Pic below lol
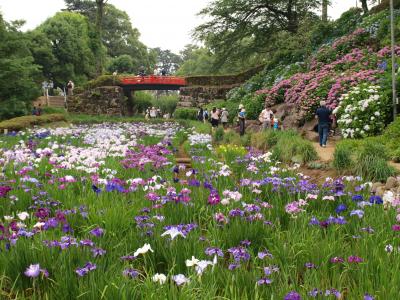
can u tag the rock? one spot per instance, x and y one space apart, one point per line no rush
375 186
297 159
398 191
391 183
380 191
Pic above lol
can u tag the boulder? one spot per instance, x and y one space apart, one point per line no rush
375 186
380 191
391 183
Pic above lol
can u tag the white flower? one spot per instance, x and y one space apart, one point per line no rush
180 279
8 218
366 127
377 113
39 225
173 233
23 216
202 265
160 278
192 262
143 250
389 248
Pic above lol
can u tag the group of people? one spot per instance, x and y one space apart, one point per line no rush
37 111
216 117
269 119
155 112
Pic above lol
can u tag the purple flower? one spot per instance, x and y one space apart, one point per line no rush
376 199
357 198
263 254
264 281
337 260
245 243
355 259
239 253
128 257
340 208
132 273
233 266
293 295
211 251
97 232
314 221
368 297
180 279
86 269
98 252
214 198
310 265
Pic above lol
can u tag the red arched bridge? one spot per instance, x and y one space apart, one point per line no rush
137 83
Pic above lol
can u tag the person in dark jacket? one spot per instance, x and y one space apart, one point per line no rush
323 114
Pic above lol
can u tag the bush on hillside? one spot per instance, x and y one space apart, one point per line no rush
29 121
186 113
103 80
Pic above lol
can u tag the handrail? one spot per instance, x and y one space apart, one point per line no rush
153 79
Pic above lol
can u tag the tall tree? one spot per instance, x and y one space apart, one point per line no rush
325 4
167 60
68 37
99 34
18 71
242 27
364 5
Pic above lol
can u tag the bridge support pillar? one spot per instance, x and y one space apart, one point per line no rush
129 94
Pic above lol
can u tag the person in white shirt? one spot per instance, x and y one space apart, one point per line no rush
224 117
265 117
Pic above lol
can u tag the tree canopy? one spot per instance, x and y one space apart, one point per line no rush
17 84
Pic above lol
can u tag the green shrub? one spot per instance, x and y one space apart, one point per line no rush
291 147
371 162
29 121
232 137
342 157
219 135
142 101
103 80
53 110
167 103
186 113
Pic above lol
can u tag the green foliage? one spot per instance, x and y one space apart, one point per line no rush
67 50
342 157
167 103
218 135
53 110
29 121
371 162
142 101
186 113
17 85
253 105
103 80
122 64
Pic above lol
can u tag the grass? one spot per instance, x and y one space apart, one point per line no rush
30 121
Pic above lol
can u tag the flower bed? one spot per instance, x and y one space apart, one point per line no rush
95 211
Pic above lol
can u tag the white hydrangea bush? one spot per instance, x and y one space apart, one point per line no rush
362 112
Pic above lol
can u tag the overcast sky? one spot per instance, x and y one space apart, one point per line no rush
162 23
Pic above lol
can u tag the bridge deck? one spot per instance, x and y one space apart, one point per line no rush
153 80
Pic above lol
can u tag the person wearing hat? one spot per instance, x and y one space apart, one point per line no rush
224 117
242 119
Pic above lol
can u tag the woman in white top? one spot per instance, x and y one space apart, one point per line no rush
265 117
224 117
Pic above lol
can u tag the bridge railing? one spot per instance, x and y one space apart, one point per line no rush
152 79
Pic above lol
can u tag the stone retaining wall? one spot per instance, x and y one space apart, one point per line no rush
105 100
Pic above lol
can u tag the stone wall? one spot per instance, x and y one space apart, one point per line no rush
195 96
104 100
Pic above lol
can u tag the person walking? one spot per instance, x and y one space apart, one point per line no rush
205 115
323 115
224 117
265 118
242 119
70 88
214 118
200 114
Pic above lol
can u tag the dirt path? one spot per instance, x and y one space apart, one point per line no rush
325 154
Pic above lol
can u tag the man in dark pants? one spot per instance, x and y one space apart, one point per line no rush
323 114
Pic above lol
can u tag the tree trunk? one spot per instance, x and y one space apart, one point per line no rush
324 16
99 33
291 14
364 5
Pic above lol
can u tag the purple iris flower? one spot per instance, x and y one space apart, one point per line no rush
293 295
97 232
376 199
357 198
98 252
368 297
211 251
86 269
264 281
340 208
132 273
96 189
